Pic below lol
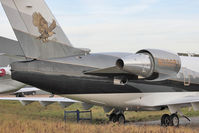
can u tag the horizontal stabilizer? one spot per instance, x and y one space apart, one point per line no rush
37 30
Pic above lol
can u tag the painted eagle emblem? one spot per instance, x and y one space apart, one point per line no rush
44 29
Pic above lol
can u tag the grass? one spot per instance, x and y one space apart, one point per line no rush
34 118
38 126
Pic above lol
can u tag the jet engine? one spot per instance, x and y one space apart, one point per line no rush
151 64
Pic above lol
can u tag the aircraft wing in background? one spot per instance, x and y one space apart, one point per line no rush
44 101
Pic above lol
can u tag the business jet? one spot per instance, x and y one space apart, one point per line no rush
10 51
150 79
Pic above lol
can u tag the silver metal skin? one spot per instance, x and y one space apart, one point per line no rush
151 63
10 47
138 64
56 66
166 64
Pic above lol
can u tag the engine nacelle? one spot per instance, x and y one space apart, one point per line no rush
151 64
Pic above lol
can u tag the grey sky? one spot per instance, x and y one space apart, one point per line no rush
125 26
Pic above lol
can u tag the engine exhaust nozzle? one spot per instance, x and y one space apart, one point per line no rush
137 64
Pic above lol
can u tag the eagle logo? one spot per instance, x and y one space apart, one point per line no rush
43 28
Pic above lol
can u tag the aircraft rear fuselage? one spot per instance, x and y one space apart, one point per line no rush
66 76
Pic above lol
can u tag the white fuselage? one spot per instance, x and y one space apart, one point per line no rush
146 101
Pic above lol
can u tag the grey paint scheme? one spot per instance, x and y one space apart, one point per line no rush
10 51
10 47
66 76
59 68
34 48
45 50
166 69
69 66
23 21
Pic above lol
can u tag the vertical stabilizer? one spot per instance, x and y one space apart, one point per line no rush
37 30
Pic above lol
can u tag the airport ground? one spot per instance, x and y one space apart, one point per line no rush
34 118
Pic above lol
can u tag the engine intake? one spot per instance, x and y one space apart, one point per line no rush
151 64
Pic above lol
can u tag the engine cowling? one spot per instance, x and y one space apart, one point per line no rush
151 64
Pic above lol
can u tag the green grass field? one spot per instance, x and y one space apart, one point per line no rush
34 118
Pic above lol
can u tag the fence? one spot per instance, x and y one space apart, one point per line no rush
78 115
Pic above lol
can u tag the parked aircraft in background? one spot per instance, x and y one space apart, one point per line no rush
149 79
10 51
30 91
44 101
6 83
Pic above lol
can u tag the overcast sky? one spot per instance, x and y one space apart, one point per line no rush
125 25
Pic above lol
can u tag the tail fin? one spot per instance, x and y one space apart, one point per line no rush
10 47
37 30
